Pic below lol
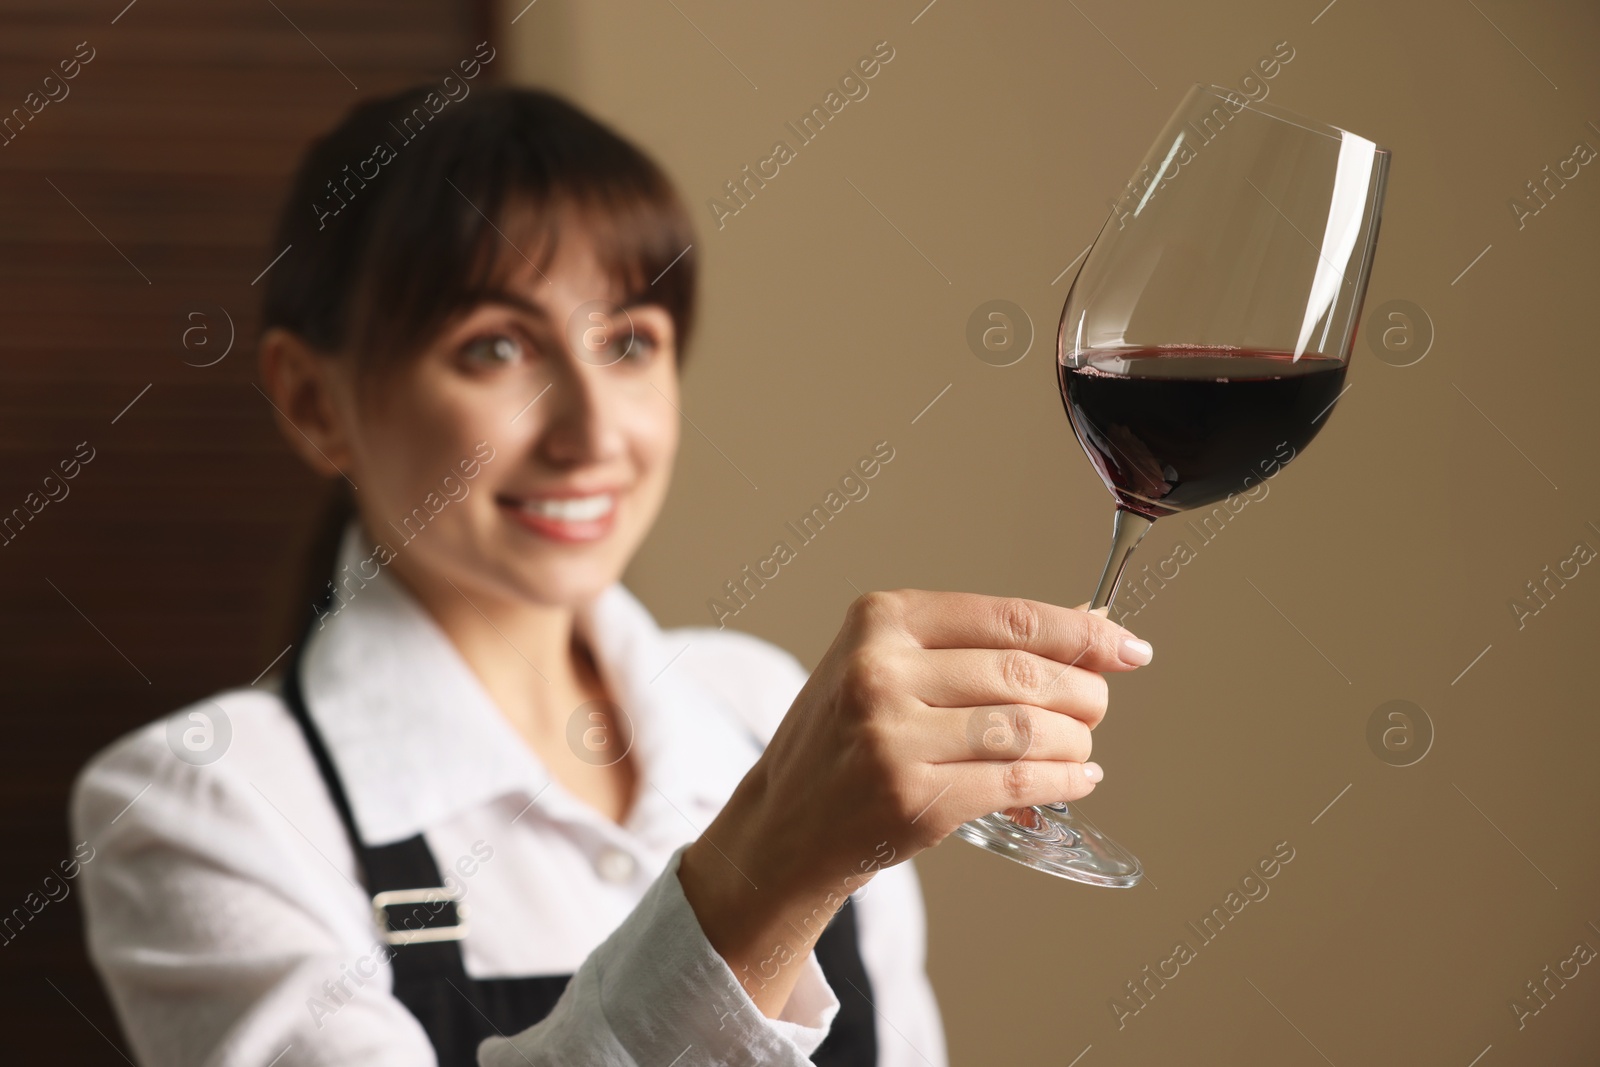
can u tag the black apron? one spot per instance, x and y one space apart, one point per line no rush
457 1011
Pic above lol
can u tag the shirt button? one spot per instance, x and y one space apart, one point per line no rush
614 865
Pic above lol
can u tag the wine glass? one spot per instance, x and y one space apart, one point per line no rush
1202 345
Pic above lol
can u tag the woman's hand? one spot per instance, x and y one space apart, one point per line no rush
929 709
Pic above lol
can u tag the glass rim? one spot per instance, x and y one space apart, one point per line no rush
1283 114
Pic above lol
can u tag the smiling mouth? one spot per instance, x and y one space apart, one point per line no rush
564 518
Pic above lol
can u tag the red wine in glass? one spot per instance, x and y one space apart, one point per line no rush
1201 346
1173 428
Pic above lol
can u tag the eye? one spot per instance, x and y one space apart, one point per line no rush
640 348
492 350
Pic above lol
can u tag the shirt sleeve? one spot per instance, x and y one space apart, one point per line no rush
225 917
656 991
759 681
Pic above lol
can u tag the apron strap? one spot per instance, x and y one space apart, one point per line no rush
419 917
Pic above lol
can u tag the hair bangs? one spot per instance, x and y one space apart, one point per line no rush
490 186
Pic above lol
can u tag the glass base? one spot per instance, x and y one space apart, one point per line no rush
1050 839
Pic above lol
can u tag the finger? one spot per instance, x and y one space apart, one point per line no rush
980 788
973 620
970 677
997 732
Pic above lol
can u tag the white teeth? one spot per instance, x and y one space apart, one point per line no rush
572 509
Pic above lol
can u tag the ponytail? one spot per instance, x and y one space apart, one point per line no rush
294 601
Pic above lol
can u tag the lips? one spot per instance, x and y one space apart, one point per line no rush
567 516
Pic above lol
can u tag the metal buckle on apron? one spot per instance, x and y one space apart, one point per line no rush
454 914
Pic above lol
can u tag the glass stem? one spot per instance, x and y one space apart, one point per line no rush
1127 530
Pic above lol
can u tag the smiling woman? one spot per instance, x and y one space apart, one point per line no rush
507 305
459 306
520 285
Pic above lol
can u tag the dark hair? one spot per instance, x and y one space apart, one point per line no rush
398 217
401 217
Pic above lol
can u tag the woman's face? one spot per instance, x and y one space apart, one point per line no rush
527 451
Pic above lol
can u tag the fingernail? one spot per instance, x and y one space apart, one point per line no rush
1104 613
1093 772
1134 652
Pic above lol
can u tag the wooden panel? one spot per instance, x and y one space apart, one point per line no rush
180 538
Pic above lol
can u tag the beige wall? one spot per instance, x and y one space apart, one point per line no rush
1419 904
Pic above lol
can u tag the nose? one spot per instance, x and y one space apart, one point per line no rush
583 422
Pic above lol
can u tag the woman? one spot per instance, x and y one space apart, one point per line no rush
486 799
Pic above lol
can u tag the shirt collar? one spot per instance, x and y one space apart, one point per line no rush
416 738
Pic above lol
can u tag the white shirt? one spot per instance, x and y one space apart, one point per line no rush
225 911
